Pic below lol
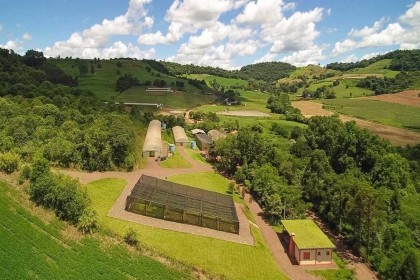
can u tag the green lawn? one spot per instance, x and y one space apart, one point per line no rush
233 261
342 272
196 155
175 161
31 248
378 68
382 112
210 181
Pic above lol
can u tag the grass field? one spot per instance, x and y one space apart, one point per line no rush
196 155
103 83
31 248
175 161
210 181
382 112
378 68
224 82
231 260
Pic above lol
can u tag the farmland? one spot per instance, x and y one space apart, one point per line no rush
382 112
234 261
43 247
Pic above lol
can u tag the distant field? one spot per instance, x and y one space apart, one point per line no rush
251 100
232 260
408 97
103 81
346 89
31 248
174 100
383 112
378 68
225 82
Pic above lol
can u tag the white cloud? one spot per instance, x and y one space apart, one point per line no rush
412 16
267 57
350 58
26 36
295 33
92 42
261 11
342 47
369 55
405 33
188 16
304 57
15 45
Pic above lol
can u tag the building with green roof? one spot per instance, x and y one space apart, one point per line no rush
307 243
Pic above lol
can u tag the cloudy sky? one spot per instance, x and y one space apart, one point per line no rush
223 33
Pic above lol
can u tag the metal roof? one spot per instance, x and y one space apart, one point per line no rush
179 134
153 141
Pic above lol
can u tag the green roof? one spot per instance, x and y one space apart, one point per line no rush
307 234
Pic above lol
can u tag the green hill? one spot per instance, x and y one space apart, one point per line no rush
106 72
38 246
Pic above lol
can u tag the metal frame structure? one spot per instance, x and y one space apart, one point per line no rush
183 204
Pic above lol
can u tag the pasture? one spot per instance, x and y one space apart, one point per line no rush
382 112
379 68
227 259
39 246
224 82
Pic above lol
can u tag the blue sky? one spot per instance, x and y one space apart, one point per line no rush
223 33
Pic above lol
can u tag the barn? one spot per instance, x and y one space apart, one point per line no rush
153 142
203 141
307 243
180 137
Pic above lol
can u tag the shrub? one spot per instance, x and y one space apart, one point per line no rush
9 162
131 237
88 221
231 187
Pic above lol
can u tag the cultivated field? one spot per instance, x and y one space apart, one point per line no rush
36 245
408 97
396 136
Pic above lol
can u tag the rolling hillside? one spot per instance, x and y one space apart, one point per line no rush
34 247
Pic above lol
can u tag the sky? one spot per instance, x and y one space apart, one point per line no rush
221 33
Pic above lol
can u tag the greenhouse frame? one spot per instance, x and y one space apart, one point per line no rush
183 204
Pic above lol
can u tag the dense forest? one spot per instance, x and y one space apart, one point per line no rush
265 71
365 188
67 126
401 60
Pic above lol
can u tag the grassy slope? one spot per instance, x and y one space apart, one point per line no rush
31 248
175 161
383 112
379 68
103 82
234 261
225 82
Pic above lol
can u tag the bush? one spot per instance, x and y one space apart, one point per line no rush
24 174
88 221
9 162
231 187
131 237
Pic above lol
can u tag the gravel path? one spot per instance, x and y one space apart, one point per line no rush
153 169
288 267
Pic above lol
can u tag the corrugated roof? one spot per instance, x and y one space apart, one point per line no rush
179 134
197 130
203 138
153 141
215 135
307 234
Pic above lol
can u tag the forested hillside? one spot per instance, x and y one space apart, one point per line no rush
362 186
68 126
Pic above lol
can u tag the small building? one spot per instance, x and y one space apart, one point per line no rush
203 141
307 243
159 89
153 142
215 135
197 130
180 137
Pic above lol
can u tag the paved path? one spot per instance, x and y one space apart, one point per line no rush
292 270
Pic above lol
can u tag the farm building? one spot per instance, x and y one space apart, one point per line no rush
307 243
159 90
179 135
215 135
183 204
197 130
153 143
203 141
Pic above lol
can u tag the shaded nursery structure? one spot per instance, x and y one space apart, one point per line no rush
183 204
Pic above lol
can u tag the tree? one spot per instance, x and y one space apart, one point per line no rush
34 59
131 237
83 67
